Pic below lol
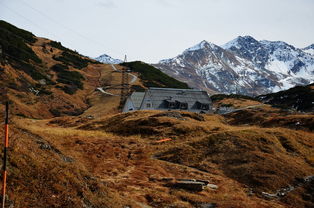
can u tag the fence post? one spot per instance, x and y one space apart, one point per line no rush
6 145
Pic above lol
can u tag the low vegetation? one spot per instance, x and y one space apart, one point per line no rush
15 49
71 59
152 77
218 97
79 151
71 79
261 158
300 98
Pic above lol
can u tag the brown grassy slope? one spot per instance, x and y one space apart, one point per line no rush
40 175
126 164
51 100
236 102
271 117
264 159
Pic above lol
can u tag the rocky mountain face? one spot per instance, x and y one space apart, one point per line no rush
108 59
243 65
309 49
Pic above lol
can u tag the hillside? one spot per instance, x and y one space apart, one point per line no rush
240 156
152 77
300 98
45 79
40 76
71 147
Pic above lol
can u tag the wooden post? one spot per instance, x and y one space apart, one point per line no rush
6 145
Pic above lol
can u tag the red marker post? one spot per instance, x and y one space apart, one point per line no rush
6 145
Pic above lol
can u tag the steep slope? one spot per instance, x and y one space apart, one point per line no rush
106 59
309 49
42 174
291 65
41 76
243 65
103 158
300 98
152 77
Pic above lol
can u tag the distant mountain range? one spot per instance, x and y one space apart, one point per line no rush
243 65
108 59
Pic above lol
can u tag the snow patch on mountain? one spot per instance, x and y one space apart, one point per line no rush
243 65
309 49
197 47
108 59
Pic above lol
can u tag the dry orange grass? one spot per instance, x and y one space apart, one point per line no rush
250 155
126 163
40 174
236 103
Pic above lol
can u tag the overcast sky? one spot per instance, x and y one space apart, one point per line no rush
151 30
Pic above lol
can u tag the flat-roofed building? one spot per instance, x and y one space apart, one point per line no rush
169 99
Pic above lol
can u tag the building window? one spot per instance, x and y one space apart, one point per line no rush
204 106
172 105
183 106
148 105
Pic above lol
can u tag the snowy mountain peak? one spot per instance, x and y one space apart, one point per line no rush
243 65
199 46
239 42
309 49
108 59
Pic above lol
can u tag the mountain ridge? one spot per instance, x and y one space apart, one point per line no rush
243 65
106 59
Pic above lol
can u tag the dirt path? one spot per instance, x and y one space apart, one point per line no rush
102 89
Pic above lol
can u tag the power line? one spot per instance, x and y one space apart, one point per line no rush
96 43
25 18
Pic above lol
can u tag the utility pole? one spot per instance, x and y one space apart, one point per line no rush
124 85
1 53
6 145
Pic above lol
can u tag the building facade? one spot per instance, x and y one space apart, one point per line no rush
169 99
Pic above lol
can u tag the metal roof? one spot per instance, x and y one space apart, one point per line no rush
159 97
137 98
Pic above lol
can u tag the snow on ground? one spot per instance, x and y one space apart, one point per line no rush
310 51
108 59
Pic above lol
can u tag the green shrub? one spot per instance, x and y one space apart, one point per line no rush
226 105
55 112
30 70
61 47
13 42
28 36
153 77
219 97
72 59
71 78
59 67
300 98
137 88
15 49
69 89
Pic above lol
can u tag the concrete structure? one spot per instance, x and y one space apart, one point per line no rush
169 99
134 101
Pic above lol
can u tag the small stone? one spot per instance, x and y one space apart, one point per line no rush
212 186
